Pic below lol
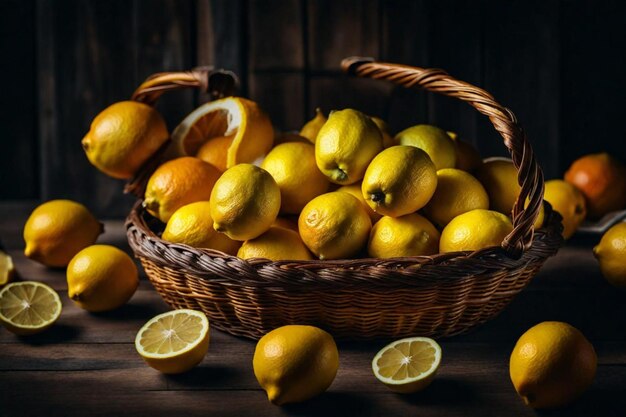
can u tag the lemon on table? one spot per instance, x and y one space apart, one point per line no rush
236 117
355 190
611 254
277 244
294 363
467 157
552 364
432 140
174 342
457 192
346 144
567 200
215 152
499 177
409 235
407 365
400 180
245 202
334 225
193 225
101 278
123 137
28 307
313 126
388 139
7 270
293 167
57 230
475 230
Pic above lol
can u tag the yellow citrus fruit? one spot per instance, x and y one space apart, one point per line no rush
467 157
499 177
400 180
215 151
407 365
277 244
101 278
7 270
174 342
474 230
245 202
552 364
457 192
334 225
409 235
432 140
193 225
28 307
355 190
294 363
57 230
611 254
313 126
388 140
567 200
236 117
286 223
346 144
287 137
123 137
292 165
177 183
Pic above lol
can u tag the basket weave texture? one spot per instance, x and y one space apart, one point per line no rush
439 295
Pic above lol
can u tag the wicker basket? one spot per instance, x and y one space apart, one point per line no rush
438 295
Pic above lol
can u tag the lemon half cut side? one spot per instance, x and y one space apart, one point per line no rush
28 307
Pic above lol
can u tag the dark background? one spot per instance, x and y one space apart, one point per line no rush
559 65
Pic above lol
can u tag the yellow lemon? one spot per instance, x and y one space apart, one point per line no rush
174 342
177 183
292 165
388 140
567 200
611 254
192 225
294 363
410 235
499 177
313 126
7 270
552 364
245 202
28 307
334 225
399 181
474 230
467 157
286 137
287 223
432 140
101 278
346 144
407 365
277 244
457 192
355 190
123 137
57 230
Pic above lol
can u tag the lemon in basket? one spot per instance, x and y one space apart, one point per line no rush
7 270
245 202
277 244
410 235
294 363
174 342
475 230
432 140
388 140
346 144
123 137
313 126
400 180
499 177
611 254
407 365
28 307
355 190
467 157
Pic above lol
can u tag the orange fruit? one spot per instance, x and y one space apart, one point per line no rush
215 151
250 128
177 183
602 180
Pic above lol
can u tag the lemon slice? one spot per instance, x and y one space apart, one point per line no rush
28 307
7 270
243 120
175 341
407 365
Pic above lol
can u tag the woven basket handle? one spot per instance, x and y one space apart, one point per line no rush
530 176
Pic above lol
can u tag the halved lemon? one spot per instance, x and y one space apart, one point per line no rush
174 342
28 307
7 270
236 117
407 365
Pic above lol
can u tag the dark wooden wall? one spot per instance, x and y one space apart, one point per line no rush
559 65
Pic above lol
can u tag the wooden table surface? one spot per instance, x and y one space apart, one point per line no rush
86 365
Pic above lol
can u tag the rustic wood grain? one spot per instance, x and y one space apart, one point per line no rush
280 96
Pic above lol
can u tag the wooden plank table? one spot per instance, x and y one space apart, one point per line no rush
86 365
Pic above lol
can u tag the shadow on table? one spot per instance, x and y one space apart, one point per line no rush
332 403
131 311
58 333
204 377
442 391
605 403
